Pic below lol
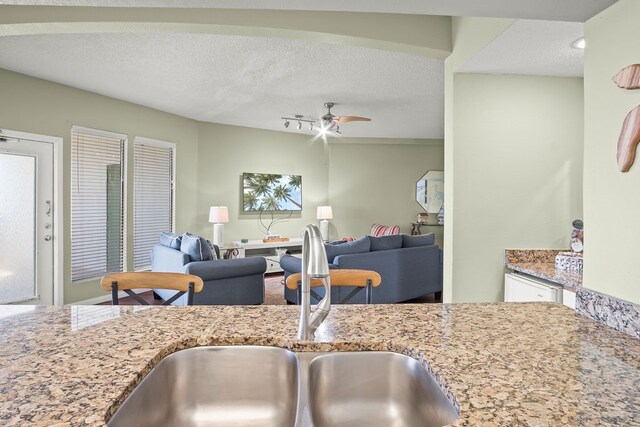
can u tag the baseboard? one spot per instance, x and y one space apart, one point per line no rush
104 298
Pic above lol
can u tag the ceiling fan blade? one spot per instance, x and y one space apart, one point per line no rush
345 119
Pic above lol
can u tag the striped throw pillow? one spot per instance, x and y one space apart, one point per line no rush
378 230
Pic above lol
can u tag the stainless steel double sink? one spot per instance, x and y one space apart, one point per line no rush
267 386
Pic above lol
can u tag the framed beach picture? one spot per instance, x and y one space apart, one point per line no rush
271 192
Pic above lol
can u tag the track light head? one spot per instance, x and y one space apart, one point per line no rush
286 124
299 125
310 125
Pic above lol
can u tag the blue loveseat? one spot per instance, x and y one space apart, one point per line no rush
226 281
410 267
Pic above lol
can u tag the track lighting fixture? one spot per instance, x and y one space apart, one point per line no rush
300 119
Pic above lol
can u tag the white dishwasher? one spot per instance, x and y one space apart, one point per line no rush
519 288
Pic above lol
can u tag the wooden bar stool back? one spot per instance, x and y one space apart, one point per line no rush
182 283
360 279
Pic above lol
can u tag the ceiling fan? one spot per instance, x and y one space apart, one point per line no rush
330 121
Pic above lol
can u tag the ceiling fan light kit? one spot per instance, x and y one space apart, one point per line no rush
328 122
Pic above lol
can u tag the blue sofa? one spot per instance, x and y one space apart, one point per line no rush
410 267
226 281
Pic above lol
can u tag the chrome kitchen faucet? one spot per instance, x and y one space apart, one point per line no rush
314 266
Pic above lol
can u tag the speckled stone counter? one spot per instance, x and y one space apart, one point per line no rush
541 263
529 364
621 315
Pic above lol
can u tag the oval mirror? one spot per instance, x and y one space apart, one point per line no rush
430 191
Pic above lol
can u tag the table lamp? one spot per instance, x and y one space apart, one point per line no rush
324 213
218 215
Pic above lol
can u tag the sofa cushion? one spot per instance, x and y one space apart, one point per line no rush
171 240
196 247
215 250
385 243
357 246
378 230
414 241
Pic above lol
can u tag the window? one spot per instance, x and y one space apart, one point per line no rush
97 203
153 196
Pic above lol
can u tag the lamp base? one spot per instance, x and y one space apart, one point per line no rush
324 229
218 235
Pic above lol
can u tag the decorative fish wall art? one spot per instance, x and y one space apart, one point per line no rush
628 78
628 140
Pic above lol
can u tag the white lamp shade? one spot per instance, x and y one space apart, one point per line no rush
324 212
218 214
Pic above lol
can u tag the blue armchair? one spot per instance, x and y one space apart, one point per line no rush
237 281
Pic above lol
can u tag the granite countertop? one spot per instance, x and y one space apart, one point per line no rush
528 364
541 263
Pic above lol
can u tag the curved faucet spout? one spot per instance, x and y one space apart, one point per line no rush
314 266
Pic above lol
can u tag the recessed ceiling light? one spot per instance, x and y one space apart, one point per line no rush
579 44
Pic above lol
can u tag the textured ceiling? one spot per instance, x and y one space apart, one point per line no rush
251 81
246 81
540 48
558 10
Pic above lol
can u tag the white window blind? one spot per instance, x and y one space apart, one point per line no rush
153 196
97 203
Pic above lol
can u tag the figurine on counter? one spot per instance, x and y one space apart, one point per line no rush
441 215
577 236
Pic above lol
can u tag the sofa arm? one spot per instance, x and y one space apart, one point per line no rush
226 268
165 259
291 264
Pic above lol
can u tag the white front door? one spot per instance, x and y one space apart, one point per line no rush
26 221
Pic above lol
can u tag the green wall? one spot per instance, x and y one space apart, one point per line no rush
365 180
468 35
517 171
374 181
225 152
38 106
611 198
212 157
